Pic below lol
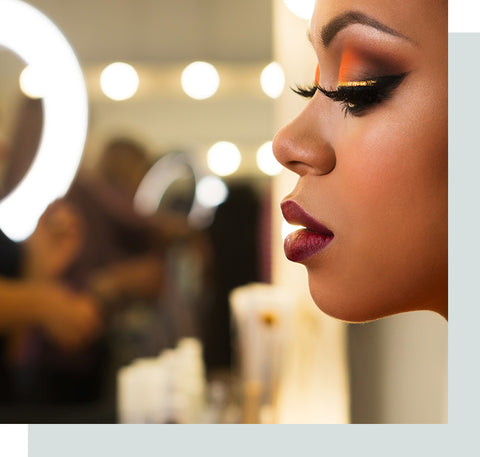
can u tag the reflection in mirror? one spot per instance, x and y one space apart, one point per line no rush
124 286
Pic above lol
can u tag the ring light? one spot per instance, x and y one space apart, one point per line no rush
38 42
163 174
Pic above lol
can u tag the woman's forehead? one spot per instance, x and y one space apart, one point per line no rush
405 18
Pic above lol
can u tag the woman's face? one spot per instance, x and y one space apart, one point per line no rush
370 149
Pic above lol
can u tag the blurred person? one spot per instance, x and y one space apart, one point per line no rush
120 262
121 257
111 230
124 252
122 165
142 269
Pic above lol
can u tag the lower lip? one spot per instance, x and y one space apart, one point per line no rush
303 243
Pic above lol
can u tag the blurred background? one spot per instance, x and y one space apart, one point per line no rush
156 290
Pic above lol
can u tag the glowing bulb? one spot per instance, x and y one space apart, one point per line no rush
272 80
288 228
200 80
211 191
266 160
301 8
119 81
32 82
224 158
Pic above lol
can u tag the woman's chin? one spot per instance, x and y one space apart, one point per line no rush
349 307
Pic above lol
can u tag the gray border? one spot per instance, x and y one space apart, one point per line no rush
240 440
382 440
464 239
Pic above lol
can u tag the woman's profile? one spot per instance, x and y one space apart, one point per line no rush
370 151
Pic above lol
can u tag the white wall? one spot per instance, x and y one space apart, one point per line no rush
399 369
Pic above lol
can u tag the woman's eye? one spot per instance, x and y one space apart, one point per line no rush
356 97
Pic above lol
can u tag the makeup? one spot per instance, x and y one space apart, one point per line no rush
307 241
351 62
357 96
363 81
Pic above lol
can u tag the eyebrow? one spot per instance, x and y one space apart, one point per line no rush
330 30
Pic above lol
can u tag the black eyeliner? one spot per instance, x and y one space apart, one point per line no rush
357 96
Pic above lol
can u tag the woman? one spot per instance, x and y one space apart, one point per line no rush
370 149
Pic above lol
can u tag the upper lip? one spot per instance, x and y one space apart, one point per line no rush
294 214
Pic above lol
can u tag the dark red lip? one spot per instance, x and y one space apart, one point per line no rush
294 214
305 242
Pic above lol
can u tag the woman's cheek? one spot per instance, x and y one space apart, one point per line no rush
370 165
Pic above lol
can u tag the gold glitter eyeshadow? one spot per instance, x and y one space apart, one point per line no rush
368 82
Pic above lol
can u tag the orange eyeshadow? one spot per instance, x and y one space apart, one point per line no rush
350 61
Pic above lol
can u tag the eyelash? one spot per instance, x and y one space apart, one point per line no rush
357 99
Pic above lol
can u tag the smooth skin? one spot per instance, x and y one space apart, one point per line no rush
378 181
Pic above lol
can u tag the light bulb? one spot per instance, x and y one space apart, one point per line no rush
119 81
272 80
32 82
224 158
200 80
301 8
266 160
211 191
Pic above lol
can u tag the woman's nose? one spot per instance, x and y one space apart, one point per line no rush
301 146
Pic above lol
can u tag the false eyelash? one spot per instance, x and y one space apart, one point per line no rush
307 92
356 100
